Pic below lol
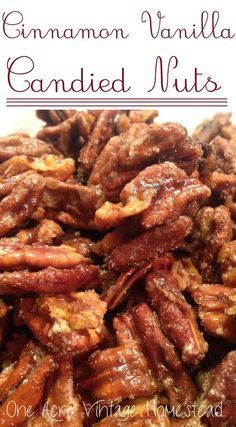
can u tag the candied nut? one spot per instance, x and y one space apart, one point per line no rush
54 117
125 155
72 203
22 144
62 405
177 317
24 198
150 244
15 255
49 280
119 373
116 292
102 131
69 135
212 228
142 325
45 233
186 274
221 390
215 303
159 193
23 385
47 165
71 324
139 412
208 129
227 260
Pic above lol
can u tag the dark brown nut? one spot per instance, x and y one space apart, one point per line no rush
208 129
186 275
142 325
215 305
49 280
69 135
70 324
4 321
225 187
72 204
150 244
157 194
119 373
47 165
22 201
45 233
220 392
54 117
115 293
22 144
227 260
102 131
22 385
124 156
62 406
137 413
177 318
212 228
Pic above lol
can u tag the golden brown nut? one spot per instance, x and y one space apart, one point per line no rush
69 324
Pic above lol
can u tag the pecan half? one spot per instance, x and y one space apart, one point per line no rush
212 228
215 305
21 144
22 385
143 325
220 392
70 324
208 129
47 165
124 156
150 244
22 201
119 373
102 131
177 317
159 193
49 280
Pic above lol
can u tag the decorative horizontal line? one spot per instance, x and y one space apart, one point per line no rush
115 105
117 99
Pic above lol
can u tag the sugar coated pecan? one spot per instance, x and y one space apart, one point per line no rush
23 199
215 305
150 244
69 324
22 385
142 325
119 373
49 280
177 317
124 156
227 260
158 194
22 144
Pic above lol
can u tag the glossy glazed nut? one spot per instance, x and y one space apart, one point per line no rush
178 320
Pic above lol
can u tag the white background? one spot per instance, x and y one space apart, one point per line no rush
63 58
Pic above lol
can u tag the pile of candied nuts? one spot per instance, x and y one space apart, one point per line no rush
118 272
